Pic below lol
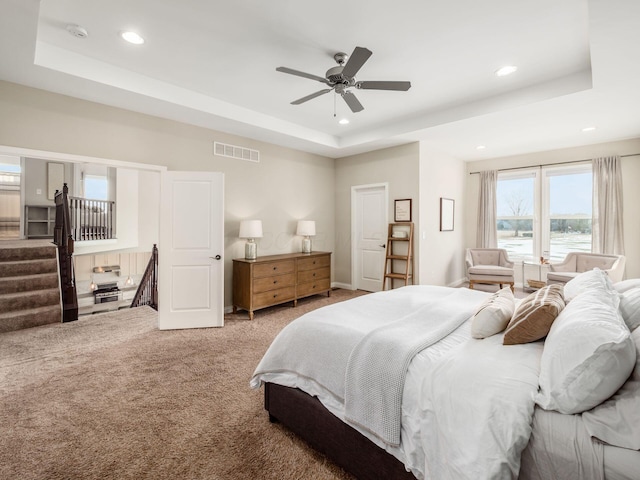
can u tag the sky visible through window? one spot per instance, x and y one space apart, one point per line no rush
95 187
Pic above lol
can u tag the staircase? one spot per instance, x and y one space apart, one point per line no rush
29 286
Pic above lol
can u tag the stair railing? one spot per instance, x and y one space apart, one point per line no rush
63 239
91 219
147 293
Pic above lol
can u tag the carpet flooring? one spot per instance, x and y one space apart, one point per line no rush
112 397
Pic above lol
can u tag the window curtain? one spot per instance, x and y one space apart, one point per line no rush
487 235
607 224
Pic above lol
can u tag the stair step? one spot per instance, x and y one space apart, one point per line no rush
25 283
32 317
11 302
27 251
28 267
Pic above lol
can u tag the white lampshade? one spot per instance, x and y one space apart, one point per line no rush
306 228
251 229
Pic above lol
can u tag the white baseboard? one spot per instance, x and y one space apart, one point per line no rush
346 286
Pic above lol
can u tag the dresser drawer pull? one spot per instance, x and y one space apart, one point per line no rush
275 281
314 274
275 295
275 268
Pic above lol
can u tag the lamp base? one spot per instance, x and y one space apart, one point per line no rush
250 250
306 245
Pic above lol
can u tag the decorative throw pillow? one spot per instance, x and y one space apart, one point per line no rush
535 315
587 357
616 421
594 283
630 308
494 314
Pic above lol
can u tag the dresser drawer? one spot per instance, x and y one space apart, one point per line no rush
311 288
271 283
273 297
314 262
273 268
311 275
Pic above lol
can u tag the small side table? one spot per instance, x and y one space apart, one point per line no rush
539 276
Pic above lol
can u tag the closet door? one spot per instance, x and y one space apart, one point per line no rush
190 266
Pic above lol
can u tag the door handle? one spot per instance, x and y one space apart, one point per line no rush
383 246
217 257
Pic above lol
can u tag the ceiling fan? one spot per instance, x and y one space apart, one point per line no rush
343 77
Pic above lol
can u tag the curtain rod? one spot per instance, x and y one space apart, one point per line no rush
551 164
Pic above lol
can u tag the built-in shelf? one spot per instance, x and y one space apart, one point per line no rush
40 221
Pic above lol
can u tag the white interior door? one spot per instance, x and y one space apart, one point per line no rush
369 233
190 264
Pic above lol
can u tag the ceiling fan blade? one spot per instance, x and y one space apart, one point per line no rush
353 102
359 56
309 97
298 73
401 86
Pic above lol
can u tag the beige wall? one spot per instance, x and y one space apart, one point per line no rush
631 191
442 253
397 166
285 186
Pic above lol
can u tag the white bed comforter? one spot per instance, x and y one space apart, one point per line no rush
466 404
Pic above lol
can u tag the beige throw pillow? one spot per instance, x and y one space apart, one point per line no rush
535 315
493 314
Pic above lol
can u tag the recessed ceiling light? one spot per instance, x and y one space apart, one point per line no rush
343 121
132 37
506 70
480 147
588 129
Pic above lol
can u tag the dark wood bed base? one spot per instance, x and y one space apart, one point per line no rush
309 419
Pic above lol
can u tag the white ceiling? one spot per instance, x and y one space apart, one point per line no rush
212 63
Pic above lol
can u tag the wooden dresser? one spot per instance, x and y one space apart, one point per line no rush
276 279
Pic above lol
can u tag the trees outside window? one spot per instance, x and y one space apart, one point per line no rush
545 211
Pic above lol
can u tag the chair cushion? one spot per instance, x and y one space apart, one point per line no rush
586 262
491 270
561 276
485 257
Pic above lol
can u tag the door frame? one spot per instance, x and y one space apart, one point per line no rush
355 215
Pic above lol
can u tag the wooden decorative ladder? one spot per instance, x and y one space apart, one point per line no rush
399 253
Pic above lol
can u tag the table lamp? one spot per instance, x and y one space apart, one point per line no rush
251 229
306 228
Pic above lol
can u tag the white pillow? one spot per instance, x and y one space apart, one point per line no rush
493 314
625 285
630 308
595 283
616 421
587 357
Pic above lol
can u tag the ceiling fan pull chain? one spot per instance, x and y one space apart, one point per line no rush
334 104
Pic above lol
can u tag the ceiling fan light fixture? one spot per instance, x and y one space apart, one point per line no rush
343 121
588 129
480 147
506 70
132 37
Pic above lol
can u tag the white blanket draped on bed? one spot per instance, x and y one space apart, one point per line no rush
360 350
378 364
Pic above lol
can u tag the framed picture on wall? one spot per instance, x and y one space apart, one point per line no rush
446 214
402 210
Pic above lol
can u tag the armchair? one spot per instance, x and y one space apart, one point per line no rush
489 266
579 262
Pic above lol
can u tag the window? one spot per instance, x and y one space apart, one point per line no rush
545 211
96 187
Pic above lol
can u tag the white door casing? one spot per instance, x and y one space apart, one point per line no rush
369 226
190 264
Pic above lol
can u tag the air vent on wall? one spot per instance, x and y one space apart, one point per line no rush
233 151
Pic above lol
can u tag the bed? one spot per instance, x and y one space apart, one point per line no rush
417 382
